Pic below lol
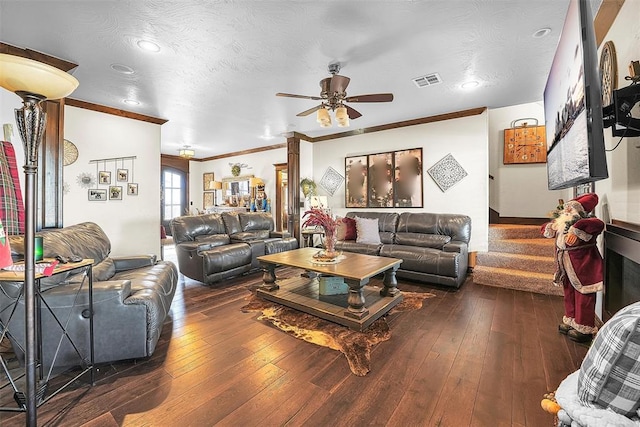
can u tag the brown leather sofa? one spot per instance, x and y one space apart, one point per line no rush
131 299
433 247
213 247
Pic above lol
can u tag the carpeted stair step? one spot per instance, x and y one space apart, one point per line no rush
515 279
537 247
507 231
533 263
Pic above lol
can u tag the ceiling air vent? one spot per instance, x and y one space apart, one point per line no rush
427 80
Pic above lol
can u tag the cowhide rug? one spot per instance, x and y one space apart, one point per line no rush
356 346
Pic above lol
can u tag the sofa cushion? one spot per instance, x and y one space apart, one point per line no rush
610 373
436 241
226 257
212 240
424 260
231 222
277 245
104 270
250 235
187 228
256 221
458 227
367 231
361 248
346 229
387 223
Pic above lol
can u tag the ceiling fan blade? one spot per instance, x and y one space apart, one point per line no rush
290 95
353 114
338 84
375 97
309 111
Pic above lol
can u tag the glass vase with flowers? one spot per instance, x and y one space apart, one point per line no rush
318 217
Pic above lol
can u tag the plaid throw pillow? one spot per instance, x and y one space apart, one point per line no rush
610 373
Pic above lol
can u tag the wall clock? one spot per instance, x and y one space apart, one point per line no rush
525 144
70 152
608 72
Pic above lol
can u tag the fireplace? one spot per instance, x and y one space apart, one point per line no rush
622 266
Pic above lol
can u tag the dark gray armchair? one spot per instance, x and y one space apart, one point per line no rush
131 299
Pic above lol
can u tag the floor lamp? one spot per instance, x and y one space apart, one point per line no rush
34 82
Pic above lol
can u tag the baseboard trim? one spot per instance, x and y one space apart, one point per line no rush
495 218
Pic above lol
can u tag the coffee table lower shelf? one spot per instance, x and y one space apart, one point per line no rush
301 293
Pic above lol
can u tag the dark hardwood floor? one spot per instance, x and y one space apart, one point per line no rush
480 356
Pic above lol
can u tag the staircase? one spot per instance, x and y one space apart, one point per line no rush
518 258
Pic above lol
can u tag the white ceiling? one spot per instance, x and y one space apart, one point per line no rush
221 62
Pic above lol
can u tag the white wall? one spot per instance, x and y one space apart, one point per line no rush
133 223
465 138
518 190
622 189
261 164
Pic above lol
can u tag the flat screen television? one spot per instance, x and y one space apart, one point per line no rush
573 105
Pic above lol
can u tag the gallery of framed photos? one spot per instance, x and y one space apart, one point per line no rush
123 177
384 180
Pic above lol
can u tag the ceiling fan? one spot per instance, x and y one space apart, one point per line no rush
334 96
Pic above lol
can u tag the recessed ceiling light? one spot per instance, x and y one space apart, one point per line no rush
470 84
131 102
542 32
121 68
149 46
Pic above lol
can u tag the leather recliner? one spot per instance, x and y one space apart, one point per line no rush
131 299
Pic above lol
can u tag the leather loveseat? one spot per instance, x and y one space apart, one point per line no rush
213 247
131 299
433 247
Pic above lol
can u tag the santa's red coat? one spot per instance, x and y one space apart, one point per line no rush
581 263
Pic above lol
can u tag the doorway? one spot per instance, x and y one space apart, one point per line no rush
173 198
281 197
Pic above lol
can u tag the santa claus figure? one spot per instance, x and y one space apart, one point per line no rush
579 264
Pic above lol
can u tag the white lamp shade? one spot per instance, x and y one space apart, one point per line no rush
22 74
216 185
341 113
322 117
254 182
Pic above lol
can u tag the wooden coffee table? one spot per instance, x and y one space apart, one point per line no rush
357 309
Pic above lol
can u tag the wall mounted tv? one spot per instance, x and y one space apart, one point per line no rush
573 105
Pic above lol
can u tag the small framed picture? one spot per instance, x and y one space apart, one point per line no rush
115 192
97 194
207 181
207 200
132 189
104 177
122 175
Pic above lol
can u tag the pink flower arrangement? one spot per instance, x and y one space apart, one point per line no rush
319 217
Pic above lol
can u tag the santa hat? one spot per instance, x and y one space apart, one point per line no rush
587 201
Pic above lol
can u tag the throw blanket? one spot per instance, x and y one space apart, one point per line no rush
574 413
11 205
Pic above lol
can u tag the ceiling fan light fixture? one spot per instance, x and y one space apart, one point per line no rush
342 117
323 117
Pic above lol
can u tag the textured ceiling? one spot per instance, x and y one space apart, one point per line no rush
221 62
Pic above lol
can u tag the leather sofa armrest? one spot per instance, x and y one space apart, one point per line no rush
133 262
455 246
64 295
280 234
